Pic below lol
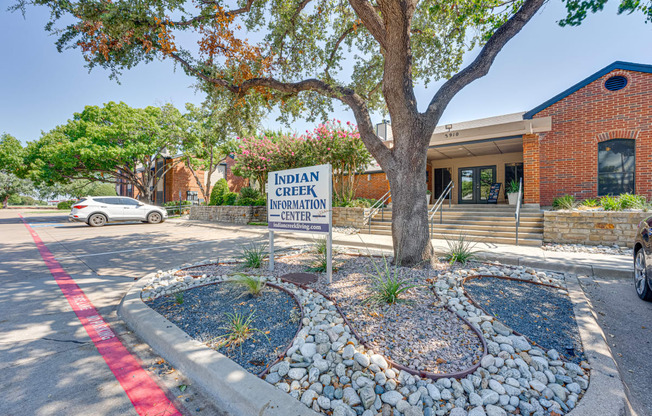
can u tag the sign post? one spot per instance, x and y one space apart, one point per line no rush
301 200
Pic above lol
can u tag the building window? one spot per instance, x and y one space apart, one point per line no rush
616 165
192 196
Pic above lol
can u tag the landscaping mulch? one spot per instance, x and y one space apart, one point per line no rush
418 332
543 314
202 316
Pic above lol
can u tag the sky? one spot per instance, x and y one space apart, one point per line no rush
42 88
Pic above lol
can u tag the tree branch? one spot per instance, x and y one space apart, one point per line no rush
482 63
371 19
330 60
242 10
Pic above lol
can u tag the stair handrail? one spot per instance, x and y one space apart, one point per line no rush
439 204
517 214
380 204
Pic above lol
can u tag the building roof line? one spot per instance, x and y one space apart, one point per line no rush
626 66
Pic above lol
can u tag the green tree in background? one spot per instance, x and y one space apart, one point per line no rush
11 166
104 144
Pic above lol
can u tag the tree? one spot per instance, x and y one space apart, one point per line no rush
300 63
211 129
11 152
104 144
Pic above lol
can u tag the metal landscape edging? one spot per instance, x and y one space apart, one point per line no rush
420 373
235 390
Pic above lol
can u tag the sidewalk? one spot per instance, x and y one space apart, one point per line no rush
598 265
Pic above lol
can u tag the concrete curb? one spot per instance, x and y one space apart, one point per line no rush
236 391
606 392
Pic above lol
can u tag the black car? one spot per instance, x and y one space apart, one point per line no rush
643 260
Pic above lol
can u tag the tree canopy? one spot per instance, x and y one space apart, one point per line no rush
106 144
11 162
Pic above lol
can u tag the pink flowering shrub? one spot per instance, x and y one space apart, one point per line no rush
332 143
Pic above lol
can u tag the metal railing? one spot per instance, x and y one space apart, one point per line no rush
177 208
517 214
378 205
439 205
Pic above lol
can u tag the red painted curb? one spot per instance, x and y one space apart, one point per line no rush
143 392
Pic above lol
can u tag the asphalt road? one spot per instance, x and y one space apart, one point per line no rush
627 323
48 363
49 366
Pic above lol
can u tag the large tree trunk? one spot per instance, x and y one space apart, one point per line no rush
407 181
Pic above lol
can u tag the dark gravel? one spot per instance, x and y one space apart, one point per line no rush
202 316
543 314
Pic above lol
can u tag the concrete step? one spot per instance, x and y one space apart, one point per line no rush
523 228
523 239
471 217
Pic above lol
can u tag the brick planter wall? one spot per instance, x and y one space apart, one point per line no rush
591 227
232 214
342 217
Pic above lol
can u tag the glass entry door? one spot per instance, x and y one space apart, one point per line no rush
475 184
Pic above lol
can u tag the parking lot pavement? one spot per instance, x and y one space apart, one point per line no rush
627 322
48 362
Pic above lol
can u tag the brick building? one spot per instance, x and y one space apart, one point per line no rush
179 184
591 140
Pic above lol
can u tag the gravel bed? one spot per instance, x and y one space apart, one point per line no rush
202 316
543 313
328 370
581 248
418 332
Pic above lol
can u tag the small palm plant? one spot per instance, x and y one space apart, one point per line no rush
320 245
239 329
254 285
460 250
388 285
254 254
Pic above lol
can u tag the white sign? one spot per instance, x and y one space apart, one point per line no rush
300 200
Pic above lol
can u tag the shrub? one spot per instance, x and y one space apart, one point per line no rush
254 285
512 187
631 201
176 203
178 297
65 205
358 202
388 284
591 202
248 192
239 328
564 202
254 254
320 245
460 250
217 194
15 199
609 203
229 198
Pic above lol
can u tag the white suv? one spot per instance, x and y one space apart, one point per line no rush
97 211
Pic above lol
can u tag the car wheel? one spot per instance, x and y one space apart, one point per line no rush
97 220
154 218
640 276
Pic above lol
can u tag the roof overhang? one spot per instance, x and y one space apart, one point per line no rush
494 131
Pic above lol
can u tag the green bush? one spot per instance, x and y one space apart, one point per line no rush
15 199
176 203
248 192
564 202
388 284
460 250
219 190
355 203
254 254
229 198
512 187
591 202
631 201
65 205
609 203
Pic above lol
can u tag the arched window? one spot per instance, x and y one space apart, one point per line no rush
616 164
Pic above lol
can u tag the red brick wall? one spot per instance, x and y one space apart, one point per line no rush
569 152
373 186
179 178
531 173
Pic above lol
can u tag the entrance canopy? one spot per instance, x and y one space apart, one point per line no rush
488 136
